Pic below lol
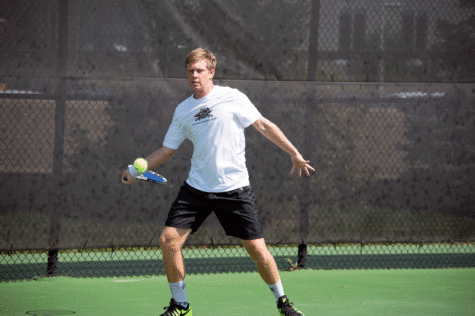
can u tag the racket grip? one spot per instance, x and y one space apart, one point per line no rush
133 172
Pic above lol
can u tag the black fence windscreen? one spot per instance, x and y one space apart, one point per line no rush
379 96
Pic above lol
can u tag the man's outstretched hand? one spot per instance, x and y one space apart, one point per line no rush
299 163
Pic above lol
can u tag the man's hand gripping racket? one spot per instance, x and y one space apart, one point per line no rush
139 170
149 176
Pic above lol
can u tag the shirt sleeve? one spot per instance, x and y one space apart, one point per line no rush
175 135
247 112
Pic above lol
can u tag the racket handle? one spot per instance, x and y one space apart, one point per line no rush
133 172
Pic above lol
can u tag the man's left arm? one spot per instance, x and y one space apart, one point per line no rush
273 133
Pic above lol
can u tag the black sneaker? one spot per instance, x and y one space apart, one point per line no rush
286 308
177 310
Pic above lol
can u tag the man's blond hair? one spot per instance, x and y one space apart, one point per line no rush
200 54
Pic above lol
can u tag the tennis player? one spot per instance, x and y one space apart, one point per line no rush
214 119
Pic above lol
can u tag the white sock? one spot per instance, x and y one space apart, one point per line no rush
277 289
178 290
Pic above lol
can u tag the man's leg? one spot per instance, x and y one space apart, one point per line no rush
269 272
171 243
265 262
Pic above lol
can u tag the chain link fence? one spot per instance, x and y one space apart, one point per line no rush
379 96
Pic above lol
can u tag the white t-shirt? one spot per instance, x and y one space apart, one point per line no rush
215 125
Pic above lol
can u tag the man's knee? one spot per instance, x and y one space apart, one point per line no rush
257 249
165 240
173 237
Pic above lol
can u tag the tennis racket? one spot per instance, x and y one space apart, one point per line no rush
151 176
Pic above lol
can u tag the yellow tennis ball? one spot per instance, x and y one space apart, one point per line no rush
140 165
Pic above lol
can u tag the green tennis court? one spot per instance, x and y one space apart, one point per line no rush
315 292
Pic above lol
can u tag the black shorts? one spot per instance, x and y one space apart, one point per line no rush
236 211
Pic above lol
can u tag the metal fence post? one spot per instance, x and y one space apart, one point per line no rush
59 121
313 40
52 263
307 150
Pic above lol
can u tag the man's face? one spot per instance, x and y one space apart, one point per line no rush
199 77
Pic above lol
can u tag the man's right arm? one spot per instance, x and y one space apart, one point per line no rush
158 157
154 160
